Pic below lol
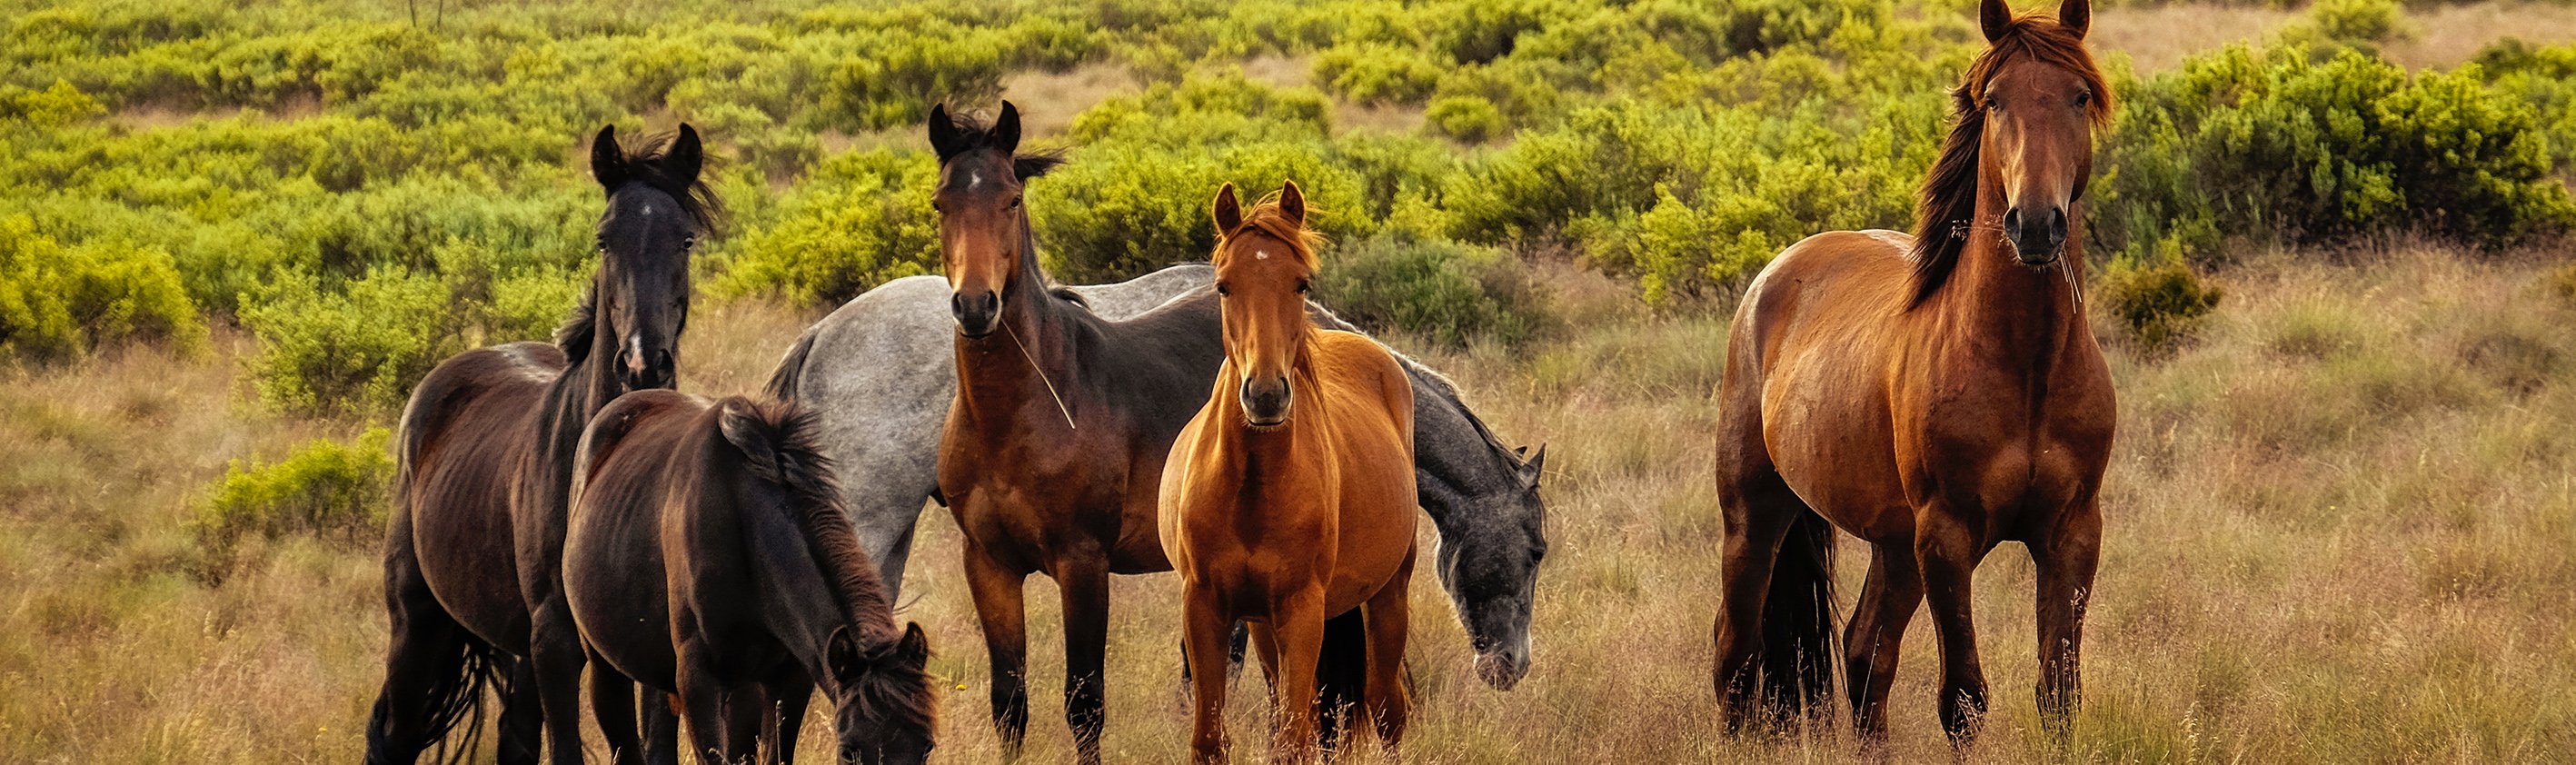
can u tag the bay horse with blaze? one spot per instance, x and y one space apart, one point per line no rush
1934 395
1290 497
484 465
710 560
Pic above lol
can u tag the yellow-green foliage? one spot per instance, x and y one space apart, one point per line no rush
58 302
1441 291
856 221
330 488
2159 304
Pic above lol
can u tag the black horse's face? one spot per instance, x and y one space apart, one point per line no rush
884 704
645 240
1494 591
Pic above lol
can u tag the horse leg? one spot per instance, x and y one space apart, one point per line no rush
556 655
1758 513
429 667
1297 624
998 605
2065 557
1389 616
1948 551
612 705
523 715
702 700
1203 647
1085 586
746 706
787 700
1887 602
660 713
1341 676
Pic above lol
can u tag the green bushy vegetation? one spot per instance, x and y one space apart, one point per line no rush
332 180
2160 304
1442 291
330 488
56 302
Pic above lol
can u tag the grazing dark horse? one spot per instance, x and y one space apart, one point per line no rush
1055 442
709 557
485 462
1289 498
1933 395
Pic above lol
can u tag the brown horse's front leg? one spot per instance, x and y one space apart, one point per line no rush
1297 621
1205 630
702 701
1888 600
612 704
1948 552
1388 615
1085 586
2065 559
1004 616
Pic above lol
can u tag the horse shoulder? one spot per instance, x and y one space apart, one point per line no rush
1356 363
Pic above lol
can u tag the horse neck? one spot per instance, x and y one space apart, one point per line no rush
2011 312
584 387
1463 477
854 600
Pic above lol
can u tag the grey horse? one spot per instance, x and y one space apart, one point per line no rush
879 373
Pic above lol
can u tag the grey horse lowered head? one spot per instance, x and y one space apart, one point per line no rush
879 373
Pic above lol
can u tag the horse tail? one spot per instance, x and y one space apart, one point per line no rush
462 667
782 383
1798 620
1341 673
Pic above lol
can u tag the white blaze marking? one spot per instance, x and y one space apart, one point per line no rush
974 179
648 211
1260 254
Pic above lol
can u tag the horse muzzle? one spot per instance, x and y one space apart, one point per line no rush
1504 667
2038 238
978 314
1265 403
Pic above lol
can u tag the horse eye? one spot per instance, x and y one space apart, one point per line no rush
1221 291
934 207
1015 202
1302 286
2083 99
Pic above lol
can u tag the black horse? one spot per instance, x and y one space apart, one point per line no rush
472 578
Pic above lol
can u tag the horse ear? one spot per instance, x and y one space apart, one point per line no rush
1006 129
915 646
607 161
1229 211
685 157
944 139
841 653
1292 203
1537 465
1995 17
2076 16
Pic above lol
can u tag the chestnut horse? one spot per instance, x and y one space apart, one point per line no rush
485 461
1289 498
708 557
1933 395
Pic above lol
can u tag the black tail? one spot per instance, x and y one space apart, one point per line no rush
782 383
1798 621
455 698
1341 673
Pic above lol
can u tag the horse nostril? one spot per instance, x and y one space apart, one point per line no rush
2012 225
2057 227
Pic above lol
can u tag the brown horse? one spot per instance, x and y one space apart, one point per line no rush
485 461
1933 395
1055 441
708 557
1283 521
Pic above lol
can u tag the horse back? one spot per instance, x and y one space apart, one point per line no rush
1369 413
615 572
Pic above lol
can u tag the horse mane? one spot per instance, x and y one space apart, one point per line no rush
580 327
797 465
1266 217
1947 205
696 197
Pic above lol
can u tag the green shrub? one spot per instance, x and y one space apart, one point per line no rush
861 219
1378 73
1467 118
1445 292
57 303
336 490
2160 304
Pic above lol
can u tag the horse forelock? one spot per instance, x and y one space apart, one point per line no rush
695 196
1947 203
1266 217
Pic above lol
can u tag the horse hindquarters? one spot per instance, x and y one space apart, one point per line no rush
435 670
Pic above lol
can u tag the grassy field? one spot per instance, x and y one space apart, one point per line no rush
2338 531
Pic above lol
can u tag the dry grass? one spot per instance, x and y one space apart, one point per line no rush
2158 37
2339 525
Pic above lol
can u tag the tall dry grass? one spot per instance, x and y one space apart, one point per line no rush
2339 529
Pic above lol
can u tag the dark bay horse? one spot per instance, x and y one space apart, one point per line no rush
1055 442
1289 497
708 557
485 462
1934 395
879 374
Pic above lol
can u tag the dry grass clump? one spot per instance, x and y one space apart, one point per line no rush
2338 529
